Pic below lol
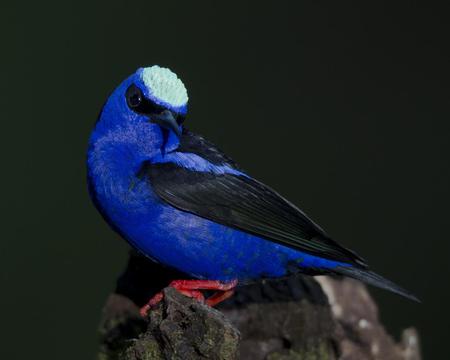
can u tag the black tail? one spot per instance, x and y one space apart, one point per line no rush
369 277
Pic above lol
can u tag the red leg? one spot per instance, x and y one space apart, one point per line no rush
190 288
197 295
218 297
203 284
151 303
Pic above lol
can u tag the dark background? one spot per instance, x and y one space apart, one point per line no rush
340 106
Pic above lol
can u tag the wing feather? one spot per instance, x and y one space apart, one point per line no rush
241 202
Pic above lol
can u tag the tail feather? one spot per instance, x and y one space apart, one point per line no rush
371 278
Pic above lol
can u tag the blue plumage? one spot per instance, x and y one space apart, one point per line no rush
180 201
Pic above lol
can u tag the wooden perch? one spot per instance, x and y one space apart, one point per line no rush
296 318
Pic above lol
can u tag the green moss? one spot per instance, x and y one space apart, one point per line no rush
320 351
147 349
102 356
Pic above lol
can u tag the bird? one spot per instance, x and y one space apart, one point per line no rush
180 201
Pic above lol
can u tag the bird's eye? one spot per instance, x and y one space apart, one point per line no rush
139 103
134 96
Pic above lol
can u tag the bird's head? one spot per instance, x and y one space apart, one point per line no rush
153 101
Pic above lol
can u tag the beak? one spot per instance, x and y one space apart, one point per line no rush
167 120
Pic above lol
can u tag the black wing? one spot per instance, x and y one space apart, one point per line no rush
196 144
240 202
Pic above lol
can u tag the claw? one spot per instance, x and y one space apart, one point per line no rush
218 297
191 289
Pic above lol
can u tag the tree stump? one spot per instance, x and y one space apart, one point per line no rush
295 318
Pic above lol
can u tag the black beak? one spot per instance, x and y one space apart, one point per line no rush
167 120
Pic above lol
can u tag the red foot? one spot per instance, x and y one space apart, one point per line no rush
218 297
190 288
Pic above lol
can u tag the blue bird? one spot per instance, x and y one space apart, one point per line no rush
180 201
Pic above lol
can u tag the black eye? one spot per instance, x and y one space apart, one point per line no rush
134 96
139 103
